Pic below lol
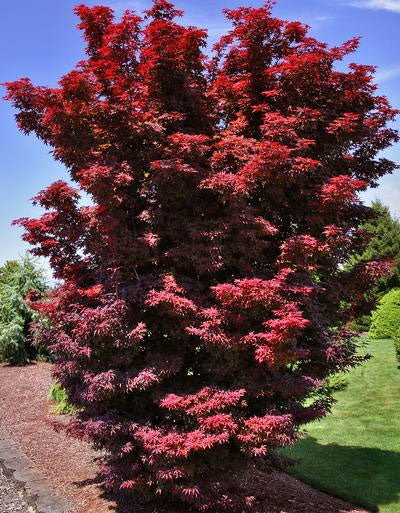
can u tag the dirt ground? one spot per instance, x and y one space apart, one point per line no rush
71 469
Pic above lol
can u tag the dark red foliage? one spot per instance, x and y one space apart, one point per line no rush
204 298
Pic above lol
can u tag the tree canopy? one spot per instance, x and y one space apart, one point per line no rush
204 294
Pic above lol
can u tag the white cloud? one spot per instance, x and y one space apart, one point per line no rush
385 74
322 18
386 5
314 21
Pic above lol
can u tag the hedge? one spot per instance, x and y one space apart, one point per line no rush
386 318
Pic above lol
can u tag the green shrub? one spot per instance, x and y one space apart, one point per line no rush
396 341
386 318
59 396
361 325
336 382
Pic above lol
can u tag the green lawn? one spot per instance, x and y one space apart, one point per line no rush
355 452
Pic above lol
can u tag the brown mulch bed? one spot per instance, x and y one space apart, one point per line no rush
70 467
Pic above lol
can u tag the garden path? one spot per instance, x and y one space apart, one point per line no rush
11 498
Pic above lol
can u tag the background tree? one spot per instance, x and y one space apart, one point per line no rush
17 279
383 234
204 294
383 231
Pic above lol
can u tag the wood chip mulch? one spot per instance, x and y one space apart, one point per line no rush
70 467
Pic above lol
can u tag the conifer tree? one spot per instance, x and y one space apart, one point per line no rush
204 296
17 280
383 234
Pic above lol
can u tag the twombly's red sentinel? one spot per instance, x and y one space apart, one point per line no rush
203 298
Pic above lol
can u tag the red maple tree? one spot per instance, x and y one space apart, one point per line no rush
203 298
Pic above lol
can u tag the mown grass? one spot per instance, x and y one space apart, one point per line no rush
355 452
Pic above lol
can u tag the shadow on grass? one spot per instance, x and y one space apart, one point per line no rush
366 476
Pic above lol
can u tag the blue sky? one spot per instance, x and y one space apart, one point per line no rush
38 39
